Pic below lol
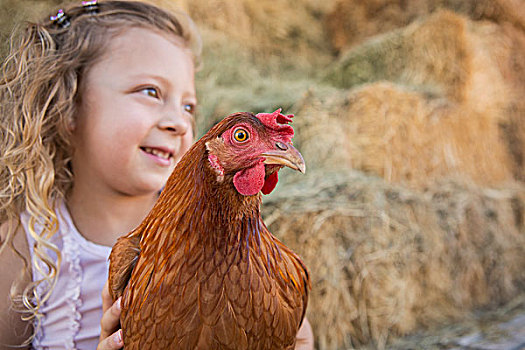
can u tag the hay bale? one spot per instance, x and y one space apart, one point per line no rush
319 132
402 136
350 22
267 26
511 60
488 88
498 11
431 54
460 111
447 55
386 261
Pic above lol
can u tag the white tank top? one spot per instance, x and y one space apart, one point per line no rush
72 314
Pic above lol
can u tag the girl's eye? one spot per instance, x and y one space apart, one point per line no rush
241 135
190 108
151 92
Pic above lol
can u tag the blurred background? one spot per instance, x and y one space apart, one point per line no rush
411 117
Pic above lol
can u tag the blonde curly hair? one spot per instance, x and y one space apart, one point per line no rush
39 91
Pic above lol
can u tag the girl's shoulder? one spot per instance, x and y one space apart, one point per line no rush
18 243
13 330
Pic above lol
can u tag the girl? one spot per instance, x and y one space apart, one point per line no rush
97 108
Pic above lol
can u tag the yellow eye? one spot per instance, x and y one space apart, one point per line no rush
241 135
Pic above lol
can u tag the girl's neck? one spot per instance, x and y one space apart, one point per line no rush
104 218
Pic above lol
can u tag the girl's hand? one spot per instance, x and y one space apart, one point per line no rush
305 337
110 335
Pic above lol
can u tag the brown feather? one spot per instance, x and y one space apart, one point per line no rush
124 257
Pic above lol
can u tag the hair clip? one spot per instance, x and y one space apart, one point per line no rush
61 19
90 6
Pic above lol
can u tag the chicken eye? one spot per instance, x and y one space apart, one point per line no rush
241 135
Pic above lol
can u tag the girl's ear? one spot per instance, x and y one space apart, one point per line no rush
72 125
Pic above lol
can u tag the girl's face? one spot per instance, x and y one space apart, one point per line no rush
135 114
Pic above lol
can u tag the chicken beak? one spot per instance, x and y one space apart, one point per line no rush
286 155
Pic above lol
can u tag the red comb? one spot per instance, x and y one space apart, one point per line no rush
278 122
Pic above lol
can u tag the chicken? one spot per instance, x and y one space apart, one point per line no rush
202 271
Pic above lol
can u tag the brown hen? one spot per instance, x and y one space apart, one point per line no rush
202 271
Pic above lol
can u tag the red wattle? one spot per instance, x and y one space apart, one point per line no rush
250 181
270 183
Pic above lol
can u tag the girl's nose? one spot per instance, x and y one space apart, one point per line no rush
175 122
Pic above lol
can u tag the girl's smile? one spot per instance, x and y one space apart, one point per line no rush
160 155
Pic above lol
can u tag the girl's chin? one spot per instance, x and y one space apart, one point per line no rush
153 187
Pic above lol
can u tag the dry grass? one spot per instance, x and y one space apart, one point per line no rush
511 62
351 22
386 261
320 133
457 107
402 136
266 26
431 54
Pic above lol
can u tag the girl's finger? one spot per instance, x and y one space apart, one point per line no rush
106 298
112 342
305 337
110 320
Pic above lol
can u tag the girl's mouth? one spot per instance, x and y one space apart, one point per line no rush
157 153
